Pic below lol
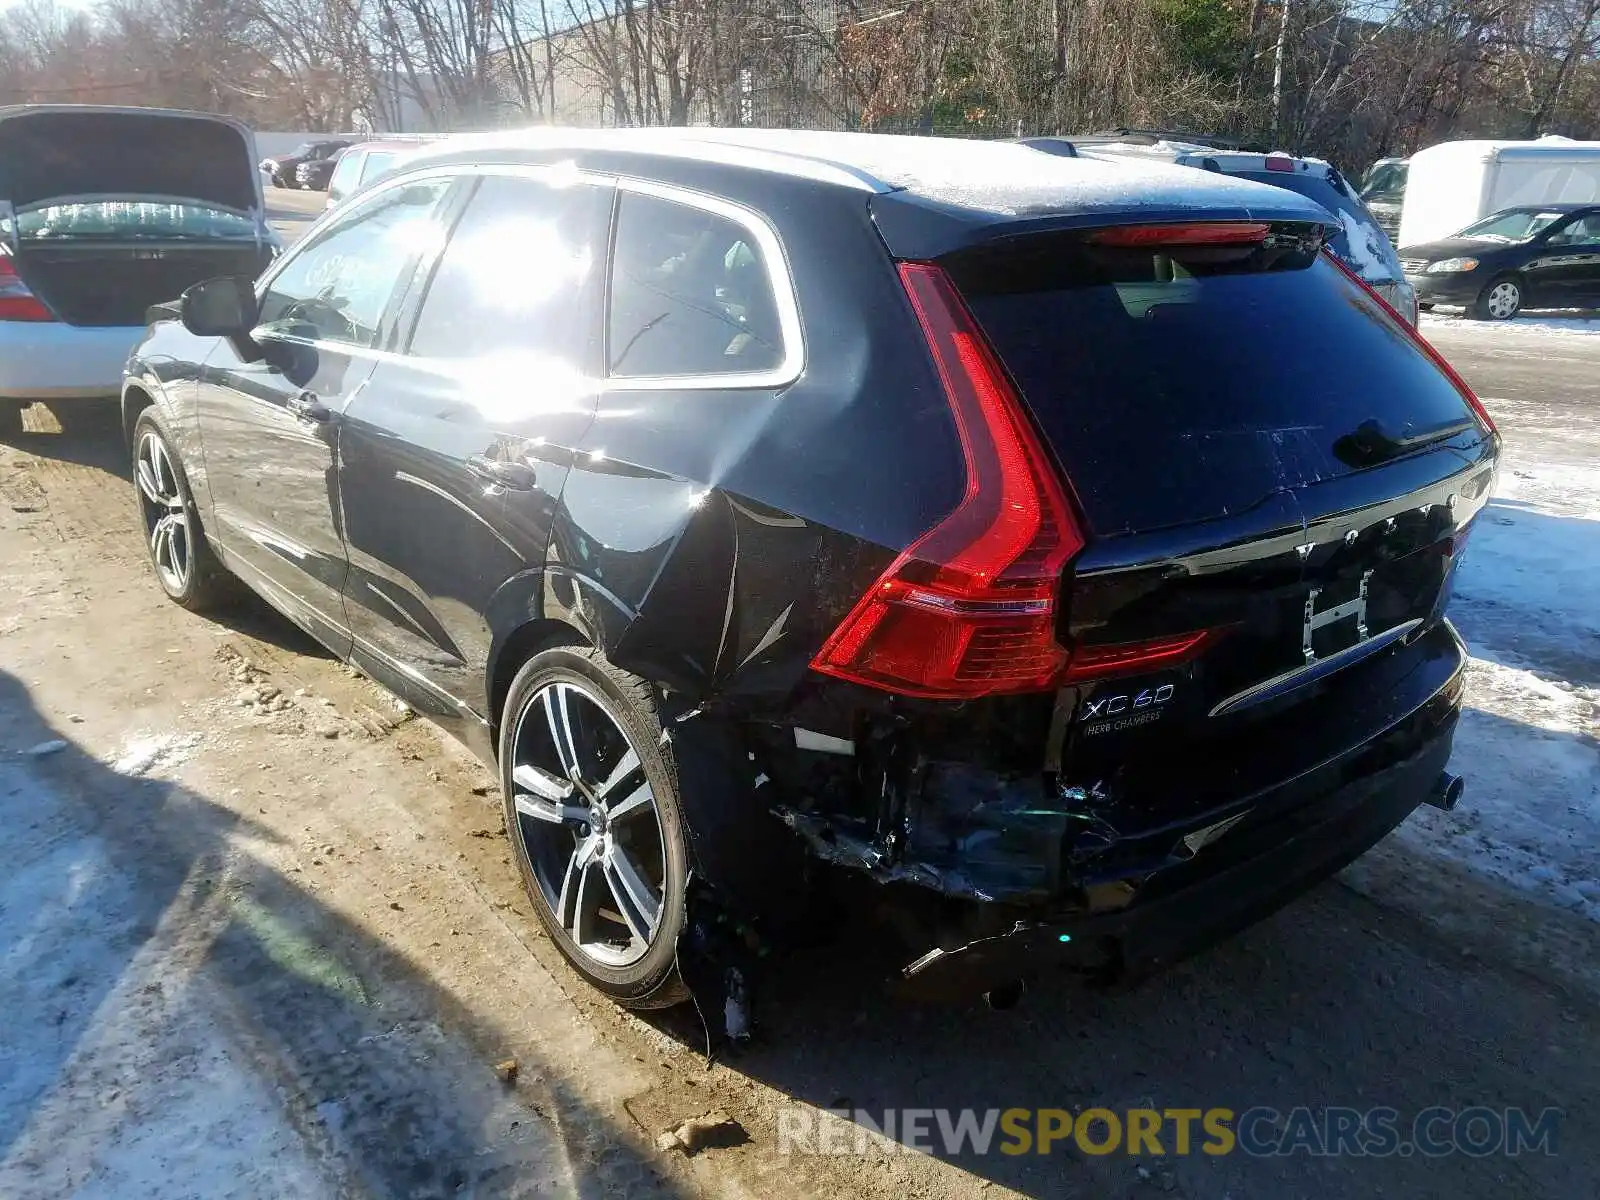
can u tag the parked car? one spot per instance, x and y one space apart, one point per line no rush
313 174
1383 191
1456 184
1062 544
281 169
1541 256
104 212
365 162
1359 240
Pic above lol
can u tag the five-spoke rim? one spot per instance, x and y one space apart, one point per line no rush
166 517
1504 299
589 823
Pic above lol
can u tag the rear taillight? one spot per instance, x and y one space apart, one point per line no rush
970 608
1198 233
1421 343
1279 161
17 301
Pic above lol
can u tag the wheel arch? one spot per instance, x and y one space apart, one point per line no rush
136 397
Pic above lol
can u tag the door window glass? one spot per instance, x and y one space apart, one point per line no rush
336 288
347 173
1585 231
513 277
690 294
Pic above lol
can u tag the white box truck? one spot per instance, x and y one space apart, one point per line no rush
1453 184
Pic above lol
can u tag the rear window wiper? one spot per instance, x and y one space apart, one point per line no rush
1370 443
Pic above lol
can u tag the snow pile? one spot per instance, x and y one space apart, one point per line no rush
145 752
1527 745
1531 814
1565 323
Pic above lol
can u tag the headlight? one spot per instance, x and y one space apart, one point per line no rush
1446 265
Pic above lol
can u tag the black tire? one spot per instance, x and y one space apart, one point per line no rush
1500 301
161 492
569 687
1421 307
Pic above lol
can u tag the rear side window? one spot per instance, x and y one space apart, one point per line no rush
515 274
346 175
1186 385
691 294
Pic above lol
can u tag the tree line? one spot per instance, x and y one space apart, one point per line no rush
1352 80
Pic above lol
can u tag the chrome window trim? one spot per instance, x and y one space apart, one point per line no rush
791 364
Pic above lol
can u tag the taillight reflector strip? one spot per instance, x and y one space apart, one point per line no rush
1422 343
1122 658
1206 233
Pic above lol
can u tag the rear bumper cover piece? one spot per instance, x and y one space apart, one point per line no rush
1216 894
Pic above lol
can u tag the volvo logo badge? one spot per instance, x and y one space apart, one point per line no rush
1315 619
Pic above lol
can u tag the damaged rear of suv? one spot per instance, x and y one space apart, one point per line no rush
1056 549
1180 651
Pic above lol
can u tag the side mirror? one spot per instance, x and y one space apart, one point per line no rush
221 307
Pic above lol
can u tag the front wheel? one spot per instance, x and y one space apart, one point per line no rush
1500 301
592 811
185 565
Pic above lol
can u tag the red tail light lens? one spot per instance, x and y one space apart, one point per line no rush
1207 233
1279 162
17 301
970 609
1421 343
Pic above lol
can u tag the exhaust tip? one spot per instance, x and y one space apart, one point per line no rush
1006 996
1446 791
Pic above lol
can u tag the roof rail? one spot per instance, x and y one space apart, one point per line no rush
1149 137
794 152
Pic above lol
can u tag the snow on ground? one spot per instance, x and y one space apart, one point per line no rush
1525 602
115 1042
1557 323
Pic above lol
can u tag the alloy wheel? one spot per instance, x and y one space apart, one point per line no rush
166 515
1504 300
590 825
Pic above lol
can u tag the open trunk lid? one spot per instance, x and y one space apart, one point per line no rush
51 152
107 211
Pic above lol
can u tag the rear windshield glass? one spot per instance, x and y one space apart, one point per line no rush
120 220
1183 386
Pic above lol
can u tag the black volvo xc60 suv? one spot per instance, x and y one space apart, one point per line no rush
1063 545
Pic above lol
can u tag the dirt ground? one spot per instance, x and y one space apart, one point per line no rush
278 947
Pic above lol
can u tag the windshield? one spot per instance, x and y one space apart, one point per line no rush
1513 225
122 220
1385 179
378 162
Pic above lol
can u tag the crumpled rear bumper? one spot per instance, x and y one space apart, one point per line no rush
1248 872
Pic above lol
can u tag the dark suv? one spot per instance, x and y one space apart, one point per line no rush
1062 544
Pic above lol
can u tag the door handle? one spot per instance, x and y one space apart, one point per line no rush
307 407
517 476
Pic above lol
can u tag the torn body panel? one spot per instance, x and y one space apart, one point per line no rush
1103 861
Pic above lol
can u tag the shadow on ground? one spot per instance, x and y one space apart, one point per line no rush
383 1076
86 432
